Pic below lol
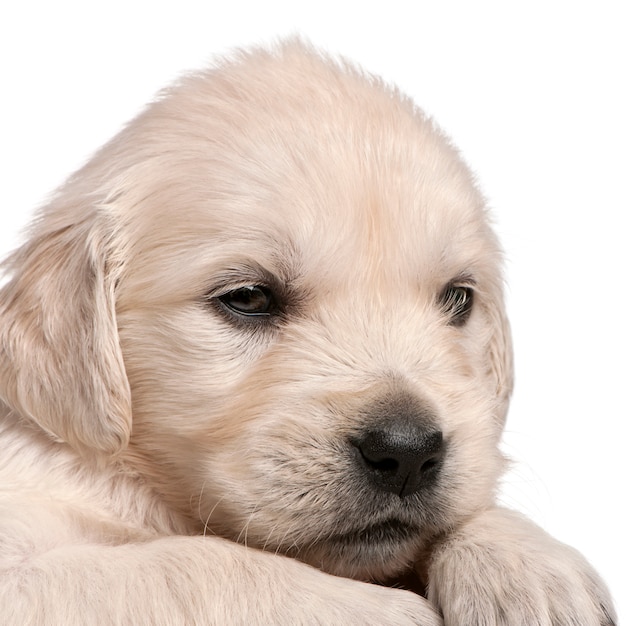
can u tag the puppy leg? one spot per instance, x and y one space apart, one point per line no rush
500 569
193 580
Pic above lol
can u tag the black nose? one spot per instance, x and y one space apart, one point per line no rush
400 457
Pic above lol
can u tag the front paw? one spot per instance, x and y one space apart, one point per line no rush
501 570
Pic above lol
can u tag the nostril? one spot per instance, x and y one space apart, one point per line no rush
383 465
429 464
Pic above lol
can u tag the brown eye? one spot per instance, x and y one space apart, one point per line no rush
457 301
249 301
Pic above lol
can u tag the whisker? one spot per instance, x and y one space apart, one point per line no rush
206 522
246 526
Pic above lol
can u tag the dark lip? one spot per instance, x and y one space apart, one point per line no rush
388 531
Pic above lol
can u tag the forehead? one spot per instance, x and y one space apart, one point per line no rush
306 167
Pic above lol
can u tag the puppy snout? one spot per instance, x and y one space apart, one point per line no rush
400 457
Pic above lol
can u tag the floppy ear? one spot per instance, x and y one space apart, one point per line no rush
60 360
500 355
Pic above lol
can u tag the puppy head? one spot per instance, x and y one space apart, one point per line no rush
291 270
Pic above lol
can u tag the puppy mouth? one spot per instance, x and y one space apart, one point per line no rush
389 532
376 551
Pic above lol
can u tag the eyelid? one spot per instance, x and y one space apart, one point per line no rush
462 280
222 290
251 275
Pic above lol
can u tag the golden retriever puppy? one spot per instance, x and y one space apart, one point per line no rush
254 359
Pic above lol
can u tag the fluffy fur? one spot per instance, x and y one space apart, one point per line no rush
169 460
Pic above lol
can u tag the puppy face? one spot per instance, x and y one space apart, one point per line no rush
308 309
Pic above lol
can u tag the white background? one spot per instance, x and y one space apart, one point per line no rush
534 95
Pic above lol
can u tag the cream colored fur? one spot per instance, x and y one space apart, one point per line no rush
164 462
